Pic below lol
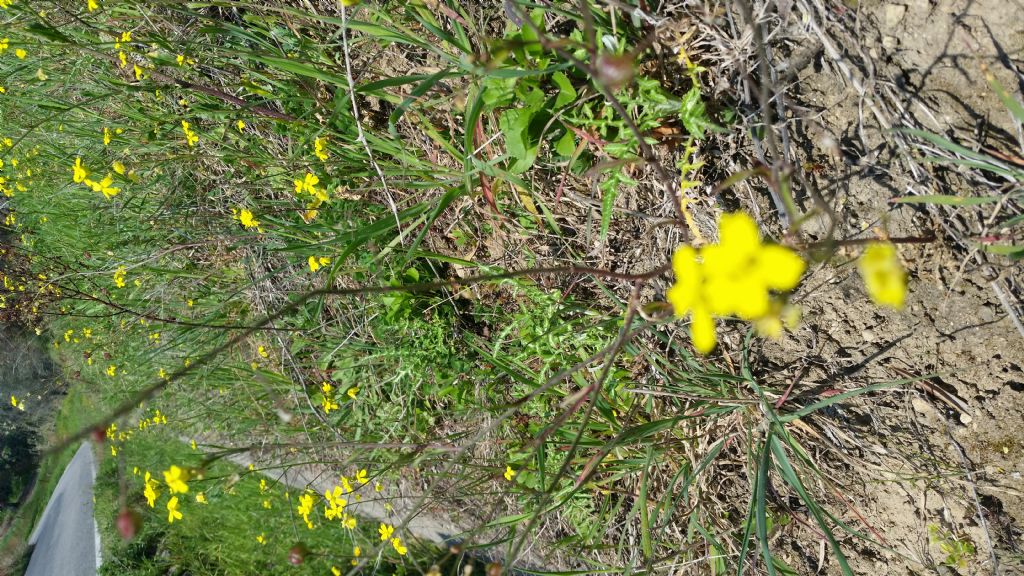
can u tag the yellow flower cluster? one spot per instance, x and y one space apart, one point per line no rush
246 219
305 508
190 137
734 277
328 401
320 149
386 532
308 185
81 176
316 263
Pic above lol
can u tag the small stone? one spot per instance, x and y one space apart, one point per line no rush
889 42
966 419
868 335
920 405
893 14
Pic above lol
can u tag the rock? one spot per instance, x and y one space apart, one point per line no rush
921 405
893 15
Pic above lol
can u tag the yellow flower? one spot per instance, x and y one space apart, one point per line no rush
509 473
175 479
106 136
348 521
124 59
734 277
352 392
20 53
111 370
329 404
104 186
261 539
190 137
92 5
180 59
305 507
119 275
397 543
385 530
318 263
361 476
308 184
320 149
172 510
201 498
246 219
335 571
118 167
4 44
79 171
240 125
883 274
150 491
139 72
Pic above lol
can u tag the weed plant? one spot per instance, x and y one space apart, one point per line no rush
263 229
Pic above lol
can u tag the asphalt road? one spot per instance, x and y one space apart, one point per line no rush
65 541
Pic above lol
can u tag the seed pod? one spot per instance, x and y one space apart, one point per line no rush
297 554
128 523
615 70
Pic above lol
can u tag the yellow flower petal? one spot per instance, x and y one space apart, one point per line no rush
702 331
780 267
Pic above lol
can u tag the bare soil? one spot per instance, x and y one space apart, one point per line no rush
945 453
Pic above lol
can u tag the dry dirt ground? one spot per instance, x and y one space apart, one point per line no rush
955 439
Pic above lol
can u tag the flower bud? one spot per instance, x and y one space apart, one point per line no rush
128 523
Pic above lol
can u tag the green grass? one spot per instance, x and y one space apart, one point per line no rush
494 369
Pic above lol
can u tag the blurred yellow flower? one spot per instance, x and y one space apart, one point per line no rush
190 137
318 263
320 149
79 171
175 479
734 277
883 274
385 531
172 510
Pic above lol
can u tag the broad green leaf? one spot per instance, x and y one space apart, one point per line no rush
566 93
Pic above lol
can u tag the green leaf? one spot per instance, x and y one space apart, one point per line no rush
1014 252
694 114
566 145
946 200
566 93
